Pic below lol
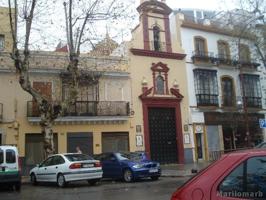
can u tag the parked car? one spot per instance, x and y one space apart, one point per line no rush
238 175
261 145
10 168
64 168
128 166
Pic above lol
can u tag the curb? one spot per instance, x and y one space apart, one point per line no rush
25 180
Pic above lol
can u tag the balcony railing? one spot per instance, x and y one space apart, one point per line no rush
1 112
246 64
158 46
207 100
222 59
243 64
203 56
87 108
253 102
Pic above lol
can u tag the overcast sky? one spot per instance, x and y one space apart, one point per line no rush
201 4
114 29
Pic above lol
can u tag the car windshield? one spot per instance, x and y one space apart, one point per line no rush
261 145
136 156
1 156
129 156
122 156
78 157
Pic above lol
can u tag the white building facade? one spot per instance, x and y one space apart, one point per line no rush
227 88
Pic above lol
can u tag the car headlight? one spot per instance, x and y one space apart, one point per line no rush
137 166
158 164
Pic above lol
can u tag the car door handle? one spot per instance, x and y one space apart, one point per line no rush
45 168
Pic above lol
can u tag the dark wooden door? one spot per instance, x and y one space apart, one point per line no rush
162 129
83 140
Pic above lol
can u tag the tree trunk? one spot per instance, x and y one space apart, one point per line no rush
47 132
46 123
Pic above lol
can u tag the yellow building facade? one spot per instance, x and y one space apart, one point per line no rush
159 85
139 104
99 121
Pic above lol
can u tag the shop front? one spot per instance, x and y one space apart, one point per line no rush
238 130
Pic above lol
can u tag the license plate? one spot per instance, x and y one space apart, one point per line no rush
153 170
88 165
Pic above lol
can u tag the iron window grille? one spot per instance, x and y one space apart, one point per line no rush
206 87
252 90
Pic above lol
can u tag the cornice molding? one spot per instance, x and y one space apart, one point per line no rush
149 53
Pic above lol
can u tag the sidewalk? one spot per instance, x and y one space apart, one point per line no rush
181 170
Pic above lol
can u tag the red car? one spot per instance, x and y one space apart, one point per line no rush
238 175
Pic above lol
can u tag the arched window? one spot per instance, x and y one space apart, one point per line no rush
228 92
159 85
156 38
223 50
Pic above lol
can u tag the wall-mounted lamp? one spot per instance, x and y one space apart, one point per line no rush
175 84
144 82
239 103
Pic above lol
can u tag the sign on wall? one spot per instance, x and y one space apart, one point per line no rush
139 140
262 123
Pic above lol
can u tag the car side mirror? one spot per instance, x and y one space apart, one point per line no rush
38 165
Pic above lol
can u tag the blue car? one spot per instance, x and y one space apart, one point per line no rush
128 166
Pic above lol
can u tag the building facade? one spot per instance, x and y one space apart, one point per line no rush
99 121
159 85
226 99
179 90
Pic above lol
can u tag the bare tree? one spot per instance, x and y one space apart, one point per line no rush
247 22
48 111
81 17
79 31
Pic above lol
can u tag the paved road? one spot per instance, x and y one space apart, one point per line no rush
107 190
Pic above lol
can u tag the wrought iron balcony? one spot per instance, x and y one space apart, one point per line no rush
158 46
202 56
246 64
87 108
222 59
253 102
1 112
207 100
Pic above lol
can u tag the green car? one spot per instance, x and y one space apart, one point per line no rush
9 167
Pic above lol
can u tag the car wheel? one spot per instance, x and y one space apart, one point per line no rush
33 179
18 186
128 176
154 178
93 181
61 182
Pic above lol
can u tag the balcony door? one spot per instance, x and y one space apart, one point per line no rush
228 92
200 46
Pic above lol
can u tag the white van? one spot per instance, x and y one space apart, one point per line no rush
10 172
